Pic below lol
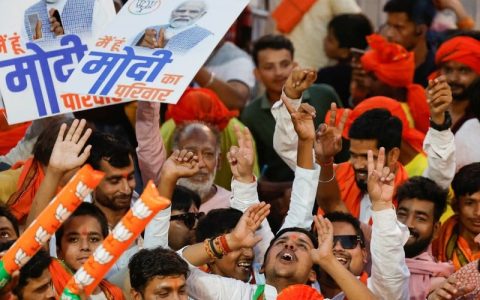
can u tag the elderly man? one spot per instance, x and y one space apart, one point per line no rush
181 34
196 137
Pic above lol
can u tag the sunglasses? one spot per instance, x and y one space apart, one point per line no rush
189 219
347 241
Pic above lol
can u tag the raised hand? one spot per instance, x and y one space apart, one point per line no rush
67 153
243 235
328 141
439 97
150 39
181 163
55 25
380 182
298 81
450 289
242 158
302 120
325 240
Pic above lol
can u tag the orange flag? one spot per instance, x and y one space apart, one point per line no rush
48 222
130 226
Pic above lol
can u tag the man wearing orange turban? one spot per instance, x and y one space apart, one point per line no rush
459 60
390 70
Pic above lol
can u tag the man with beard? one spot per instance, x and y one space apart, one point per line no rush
204 141
421 202
348 181
459 60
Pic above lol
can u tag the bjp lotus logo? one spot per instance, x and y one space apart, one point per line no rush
143 7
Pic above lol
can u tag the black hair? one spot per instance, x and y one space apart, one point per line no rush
338 216
380 125
183 198
424 189
351 30
271 41
42 150
308 233
187 127
34 268
5 212
421 12
217 222
107 147
467 180
85 209
148 263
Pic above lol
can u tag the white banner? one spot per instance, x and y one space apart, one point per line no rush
41 42
153 48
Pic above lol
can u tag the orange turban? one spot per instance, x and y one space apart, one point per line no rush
410 135
395 66
203 105
462 49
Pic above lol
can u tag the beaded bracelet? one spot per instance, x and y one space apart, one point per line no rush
206 245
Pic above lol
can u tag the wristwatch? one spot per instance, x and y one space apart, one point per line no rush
446 124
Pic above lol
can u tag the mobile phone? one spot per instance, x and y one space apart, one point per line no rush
32 22
356 53
56 15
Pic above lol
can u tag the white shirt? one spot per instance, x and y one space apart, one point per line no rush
389 278
438 145
467 142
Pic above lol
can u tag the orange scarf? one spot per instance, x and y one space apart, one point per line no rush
61 275
28 183
351 194
450 246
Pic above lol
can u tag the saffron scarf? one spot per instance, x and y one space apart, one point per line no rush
30 179
61 275
351 194
450 246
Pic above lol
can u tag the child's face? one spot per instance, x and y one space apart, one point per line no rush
82 235
331 46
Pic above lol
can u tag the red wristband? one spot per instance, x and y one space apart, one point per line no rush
327 163
223 241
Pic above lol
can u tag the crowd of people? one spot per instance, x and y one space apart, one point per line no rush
289 177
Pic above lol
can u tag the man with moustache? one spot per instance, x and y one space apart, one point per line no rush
421 202
459 60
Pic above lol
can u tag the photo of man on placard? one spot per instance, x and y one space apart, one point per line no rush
181 34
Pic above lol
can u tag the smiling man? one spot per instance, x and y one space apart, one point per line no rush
421 202
457 239
181 34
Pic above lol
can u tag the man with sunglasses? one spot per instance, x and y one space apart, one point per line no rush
348 248
183 218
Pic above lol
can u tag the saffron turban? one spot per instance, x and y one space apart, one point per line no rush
203 105
395 66
462 49
410 135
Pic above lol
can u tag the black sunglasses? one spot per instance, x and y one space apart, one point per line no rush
347 241
189 218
